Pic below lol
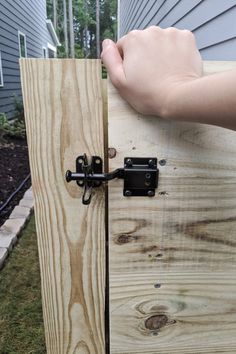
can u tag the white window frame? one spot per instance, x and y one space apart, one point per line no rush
1 72
53 32
46 51
22 34
54 49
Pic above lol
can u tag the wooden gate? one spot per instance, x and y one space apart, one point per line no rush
130 274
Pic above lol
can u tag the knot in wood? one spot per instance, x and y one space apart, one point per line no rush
111 153
156 322
123 238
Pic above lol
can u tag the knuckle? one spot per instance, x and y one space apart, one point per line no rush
153 28
171 30
104 53
133 33
187 33
152 31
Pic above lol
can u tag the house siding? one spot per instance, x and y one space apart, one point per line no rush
28 17
211 21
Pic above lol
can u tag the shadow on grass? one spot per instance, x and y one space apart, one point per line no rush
21 320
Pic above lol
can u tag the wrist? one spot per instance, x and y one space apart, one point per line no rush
176 103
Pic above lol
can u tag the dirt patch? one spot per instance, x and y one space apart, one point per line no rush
14 168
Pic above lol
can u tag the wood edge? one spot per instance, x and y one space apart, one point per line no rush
213 67
106 169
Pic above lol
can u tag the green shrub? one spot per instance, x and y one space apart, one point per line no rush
104 72
3 124
3 119
19 109
15 129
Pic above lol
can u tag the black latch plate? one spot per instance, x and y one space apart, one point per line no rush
140 176
94 167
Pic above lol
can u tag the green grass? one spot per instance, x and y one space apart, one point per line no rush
21 321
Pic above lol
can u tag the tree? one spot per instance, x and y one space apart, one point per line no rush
65 28
108 19
86 52
71 30
98 28
55 14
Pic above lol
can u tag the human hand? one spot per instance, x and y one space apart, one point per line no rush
149 66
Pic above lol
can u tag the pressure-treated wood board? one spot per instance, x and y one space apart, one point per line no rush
172 261
64 117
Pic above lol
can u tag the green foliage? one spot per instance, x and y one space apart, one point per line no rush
84 12
19 109
15 129
61 52
3 119
104 72
3 124
78 52
108 21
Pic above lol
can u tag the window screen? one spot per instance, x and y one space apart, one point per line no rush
22 45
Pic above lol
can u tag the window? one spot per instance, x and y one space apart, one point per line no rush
52 51
1 75
44 52
22 44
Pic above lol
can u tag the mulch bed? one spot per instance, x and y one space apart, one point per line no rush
14 167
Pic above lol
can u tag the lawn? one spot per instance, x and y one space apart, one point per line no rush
21 321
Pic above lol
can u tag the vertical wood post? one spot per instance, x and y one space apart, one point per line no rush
64 118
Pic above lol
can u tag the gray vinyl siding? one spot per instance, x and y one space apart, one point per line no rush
213 22
28 17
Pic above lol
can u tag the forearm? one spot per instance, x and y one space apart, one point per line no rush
209 99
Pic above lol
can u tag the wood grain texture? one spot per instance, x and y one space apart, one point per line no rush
64 117
173 257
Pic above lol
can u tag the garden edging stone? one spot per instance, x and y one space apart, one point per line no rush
3 255
10 230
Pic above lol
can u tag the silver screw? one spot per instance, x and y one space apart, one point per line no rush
128 193
150 193
157 286
129 162
162 162
151 163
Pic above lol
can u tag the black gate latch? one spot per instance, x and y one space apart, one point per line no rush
140 176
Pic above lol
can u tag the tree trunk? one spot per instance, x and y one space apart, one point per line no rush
86 29
55 14
71 26
65 28
98 27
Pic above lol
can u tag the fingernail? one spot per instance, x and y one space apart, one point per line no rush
106 43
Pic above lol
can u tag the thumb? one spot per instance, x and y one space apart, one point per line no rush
113 62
